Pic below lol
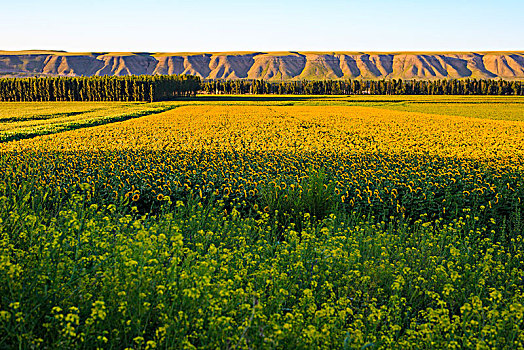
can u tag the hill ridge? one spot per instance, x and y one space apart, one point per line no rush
276 66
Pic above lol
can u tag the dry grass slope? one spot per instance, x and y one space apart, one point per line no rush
285 65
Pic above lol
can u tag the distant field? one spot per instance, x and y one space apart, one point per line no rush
485 107
24 111
354 129
19 120
501 111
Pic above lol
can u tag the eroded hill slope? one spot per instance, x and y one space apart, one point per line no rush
271 66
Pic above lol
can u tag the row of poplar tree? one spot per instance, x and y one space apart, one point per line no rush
166 87
373 87
103 88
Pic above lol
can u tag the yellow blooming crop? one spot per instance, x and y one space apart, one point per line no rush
262 226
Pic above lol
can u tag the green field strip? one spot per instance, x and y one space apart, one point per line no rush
47 129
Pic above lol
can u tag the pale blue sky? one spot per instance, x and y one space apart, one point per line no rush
270 25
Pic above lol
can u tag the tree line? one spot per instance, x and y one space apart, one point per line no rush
103 88
166 87
372 87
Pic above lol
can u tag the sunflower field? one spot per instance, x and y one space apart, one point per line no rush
221 226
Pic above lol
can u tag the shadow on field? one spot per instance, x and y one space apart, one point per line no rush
341 99
240 98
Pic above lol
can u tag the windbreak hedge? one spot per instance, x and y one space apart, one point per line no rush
104 88
366 87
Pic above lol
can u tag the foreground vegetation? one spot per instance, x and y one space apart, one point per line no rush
265 227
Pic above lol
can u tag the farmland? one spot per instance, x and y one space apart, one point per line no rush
270 222
25 119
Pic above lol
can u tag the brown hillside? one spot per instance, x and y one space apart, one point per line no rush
269 65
